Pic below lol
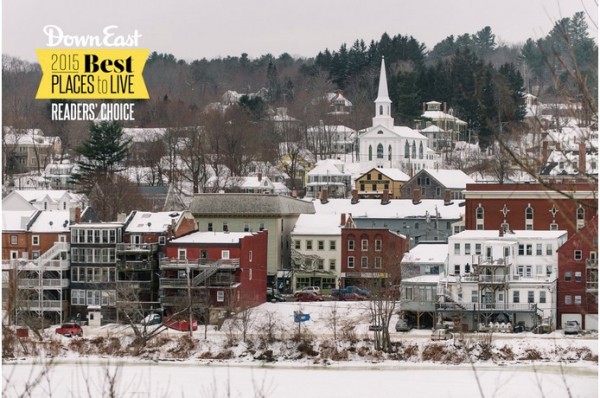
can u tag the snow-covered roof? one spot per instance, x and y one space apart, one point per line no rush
394 174
317 224
456 179
440 115
432 129
51 221
396 208
212 237
518 234
425 279
328 167
37 195
427 253
16 220
153 222
144 134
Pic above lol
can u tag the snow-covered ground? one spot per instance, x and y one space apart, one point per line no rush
223 365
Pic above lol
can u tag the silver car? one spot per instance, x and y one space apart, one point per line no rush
572 327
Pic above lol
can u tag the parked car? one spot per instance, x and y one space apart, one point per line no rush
308 296
181 325
350 289
441 334
572 327
350 297
70 329
273 296
402 325
314 289
152 319
542 329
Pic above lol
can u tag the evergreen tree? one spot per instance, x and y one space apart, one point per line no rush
103 152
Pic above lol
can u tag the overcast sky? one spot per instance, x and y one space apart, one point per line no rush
194 29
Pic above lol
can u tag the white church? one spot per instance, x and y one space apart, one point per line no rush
385 145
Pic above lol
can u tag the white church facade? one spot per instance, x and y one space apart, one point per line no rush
390 146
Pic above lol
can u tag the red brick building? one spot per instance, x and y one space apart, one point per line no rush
566 206
577 287
371 257
217 270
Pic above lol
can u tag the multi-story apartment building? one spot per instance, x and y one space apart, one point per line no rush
35 265
94 270
144 241
213 272
316 251
578 278
500 277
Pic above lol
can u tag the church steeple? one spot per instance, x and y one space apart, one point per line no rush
383 103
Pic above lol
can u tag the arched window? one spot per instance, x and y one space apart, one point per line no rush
421 150
406 150
370 152
381 109
379 151
414 150
479 217
580 217
390 152
529 218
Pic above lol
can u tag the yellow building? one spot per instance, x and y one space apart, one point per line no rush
371 184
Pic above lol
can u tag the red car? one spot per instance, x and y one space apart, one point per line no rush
351 297
308 296
70 329
181 325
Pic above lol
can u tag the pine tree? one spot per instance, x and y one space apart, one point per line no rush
103 152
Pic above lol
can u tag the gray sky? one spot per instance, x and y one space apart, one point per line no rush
194 29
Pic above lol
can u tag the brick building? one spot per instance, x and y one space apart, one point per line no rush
531 206
578 278
371 257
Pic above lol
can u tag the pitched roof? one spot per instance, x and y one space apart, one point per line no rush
394 174
248 204
51 221
396 208
212 237
456 179
318 224
16 220
149 222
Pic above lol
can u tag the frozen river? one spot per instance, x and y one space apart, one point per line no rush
92 378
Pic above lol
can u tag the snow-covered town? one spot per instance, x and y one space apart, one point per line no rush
312 224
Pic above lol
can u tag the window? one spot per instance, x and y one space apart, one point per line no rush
378 245
516 296
225 227
538 249
309 245
479 214
529 218
350 262
530 296
250 256
332 245
528 271
379 151
13 239
364 262
35 240
210 227
580 217
456 269
529 250
220 296
225 254
377 263
577 255
568 276
246 227
364 245
467 248
370 153
549 250
577 276
567 299
321 245
542 297
406 150
520 270
297 244
162 240
578 300
332 265
351 244
181 254
320 263
457 248
478 249
474 296
77 297
261 226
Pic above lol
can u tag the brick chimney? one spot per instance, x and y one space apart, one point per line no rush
582 159
343 219
354 196
75 215
259 175
324 196
386 197
501 232
447 197
416 197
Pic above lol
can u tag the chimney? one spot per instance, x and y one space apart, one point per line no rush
416 199
354 197
544 152
447 197
501 232
324 196
582 159
386 197
343 219
259 175
557 146
75 215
